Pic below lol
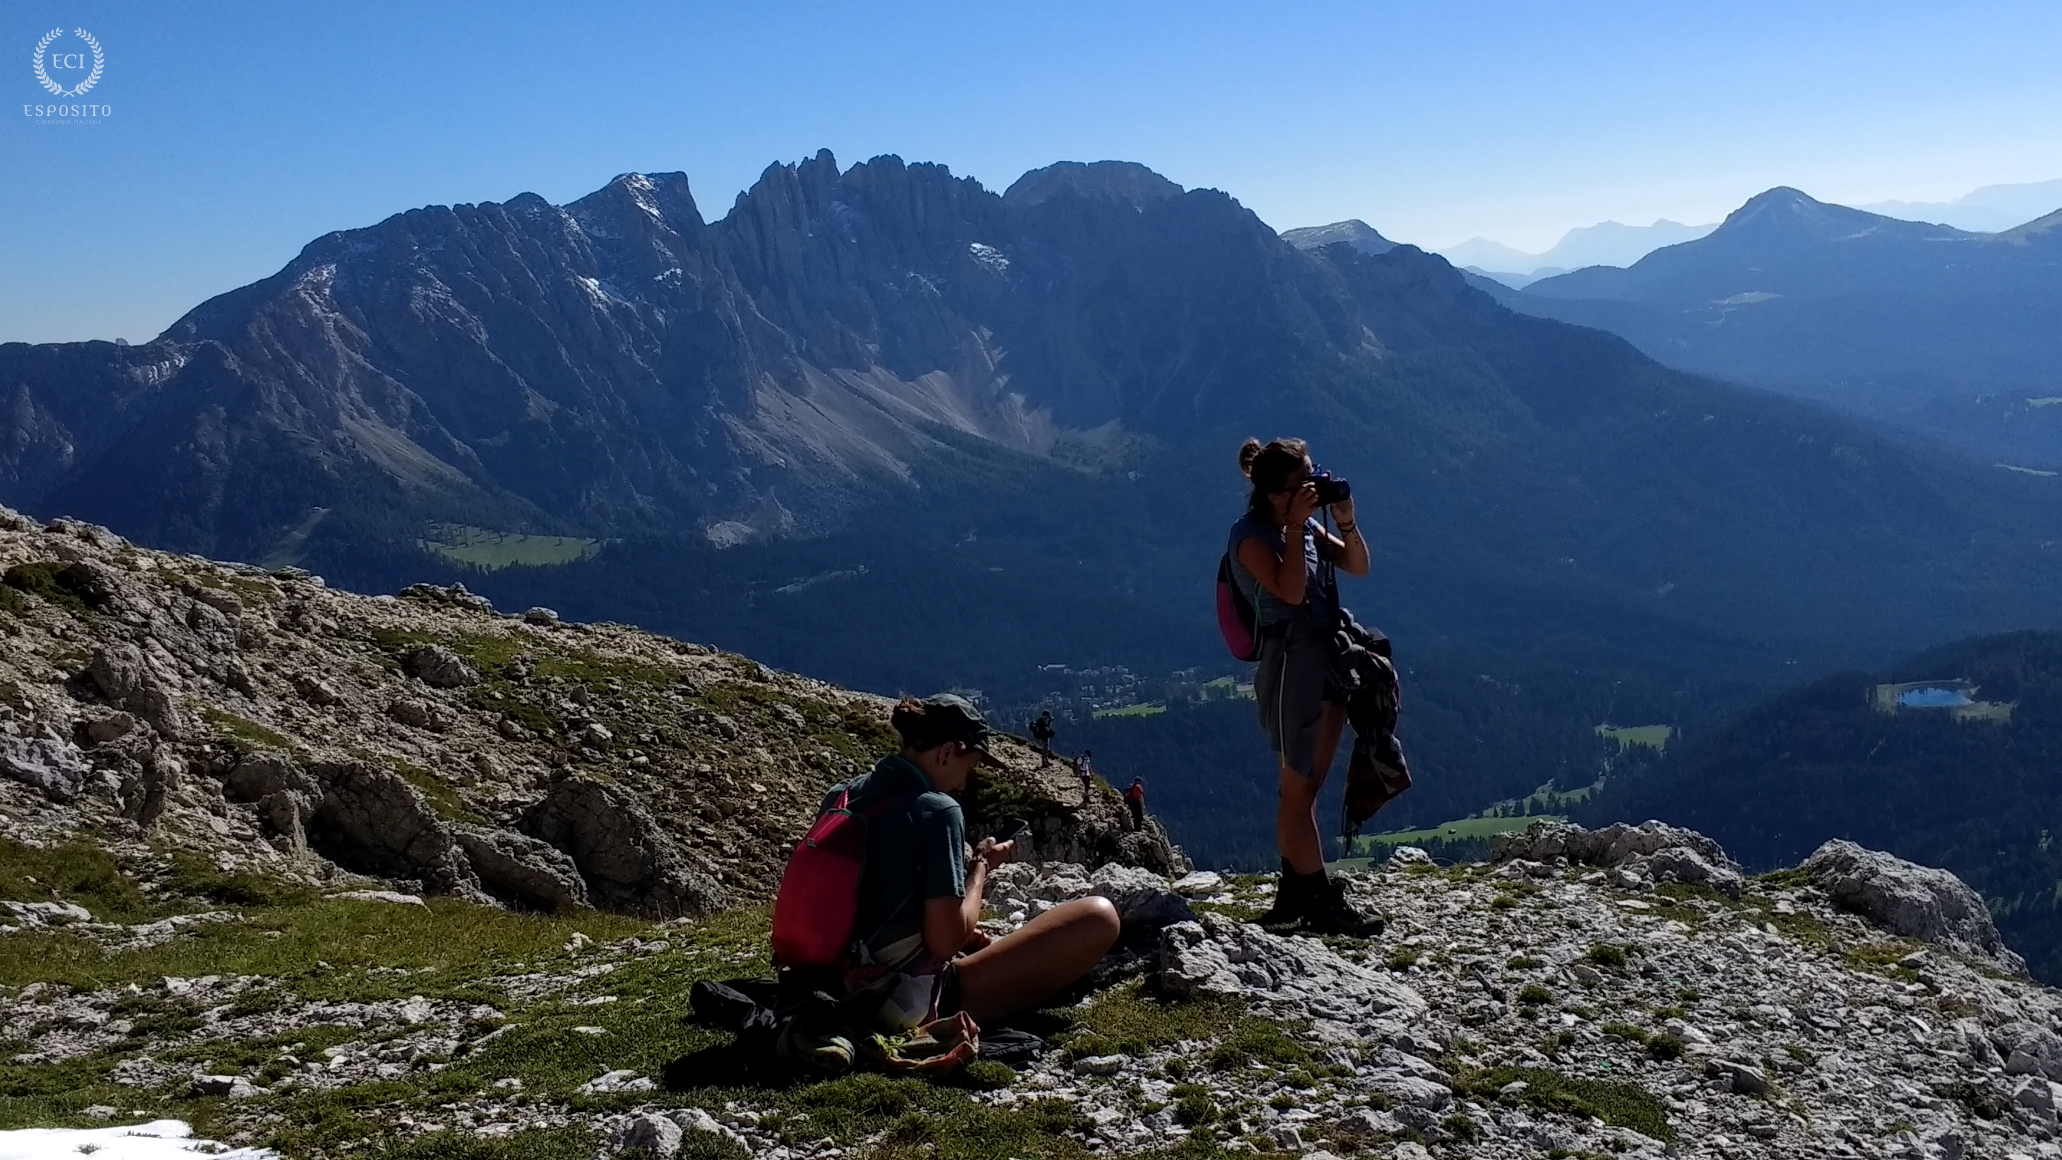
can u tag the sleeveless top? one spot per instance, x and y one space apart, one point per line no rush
1315 607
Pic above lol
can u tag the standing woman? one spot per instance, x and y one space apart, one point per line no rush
1277 551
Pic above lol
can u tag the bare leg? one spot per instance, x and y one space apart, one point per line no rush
1295 820
1016 971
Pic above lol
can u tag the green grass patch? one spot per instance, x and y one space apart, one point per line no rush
57 1094
1151 709
1129 1020
1236 911
1621 1105
1627 736
1607 955
460 943
195 876
1534 995
490 551
72 872
243 734
1881 958
1626 1031
1256 1040
443 797
49 581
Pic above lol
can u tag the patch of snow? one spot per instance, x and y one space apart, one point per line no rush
728 533
603 293
641 189
989 256
157 1140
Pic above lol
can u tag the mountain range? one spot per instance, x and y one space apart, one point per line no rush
882 425
1604 244
1991 209
1941 330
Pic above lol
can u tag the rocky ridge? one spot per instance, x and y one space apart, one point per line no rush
260 722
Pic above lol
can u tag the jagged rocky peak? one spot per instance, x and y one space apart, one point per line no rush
1126 181
164 706
661 198
1354 232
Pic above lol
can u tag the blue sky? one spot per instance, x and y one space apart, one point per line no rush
240 131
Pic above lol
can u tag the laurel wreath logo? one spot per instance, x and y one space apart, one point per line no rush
92 78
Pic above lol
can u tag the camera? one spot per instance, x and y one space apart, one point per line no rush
1330 488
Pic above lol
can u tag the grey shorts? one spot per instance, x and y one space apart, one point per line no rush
1291 685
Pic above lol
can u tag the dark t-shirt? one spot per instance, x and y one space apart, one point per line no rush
914 852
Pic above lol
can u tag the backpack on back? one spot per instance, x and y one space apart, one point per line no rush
816 913
1237 619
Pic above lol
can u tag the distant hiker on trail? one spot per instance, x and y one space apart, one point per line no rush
1042 733
1280 559
1085 766
917 956
1135 797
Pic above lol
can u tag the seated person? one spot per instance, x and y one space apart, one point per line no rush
919 946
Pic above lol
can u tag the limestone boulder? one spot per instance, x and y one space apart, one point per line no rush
524 870
370 819
1614 845
440 668
1919 902
627 860
53 766
1286 974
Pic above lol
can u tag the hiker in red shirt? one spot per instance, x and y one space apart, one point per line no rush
1135 797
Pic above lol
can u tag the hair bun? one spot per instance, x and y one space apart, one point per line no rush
1248 452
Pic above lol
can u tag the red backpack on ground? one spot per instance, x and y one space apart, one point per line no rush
1237 619
816 913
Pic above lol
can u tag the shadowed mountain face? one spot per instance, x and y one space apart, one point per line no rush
1943 330
870 415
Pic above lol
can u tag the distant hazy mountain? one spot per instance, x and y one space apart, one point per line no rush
1512 281
1603 244
1356 233
1987 210
1483 254
1945 330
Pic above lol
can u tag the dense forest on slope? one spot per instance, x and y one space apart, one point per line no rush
1981 797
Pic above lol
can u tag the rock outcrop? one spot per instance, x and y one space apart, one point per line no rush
1919 902
1635 855
627 861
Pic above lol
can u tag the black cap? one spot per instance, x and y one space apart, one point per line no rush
951 717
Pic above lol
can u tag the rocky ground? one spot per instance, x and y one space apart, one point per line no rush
405 876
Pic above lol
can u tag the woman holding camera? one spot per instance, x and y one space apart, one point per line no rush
1278 551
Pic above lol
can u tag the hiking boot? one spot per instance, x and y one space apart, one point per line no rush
815 1047
1328 912
1291 891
